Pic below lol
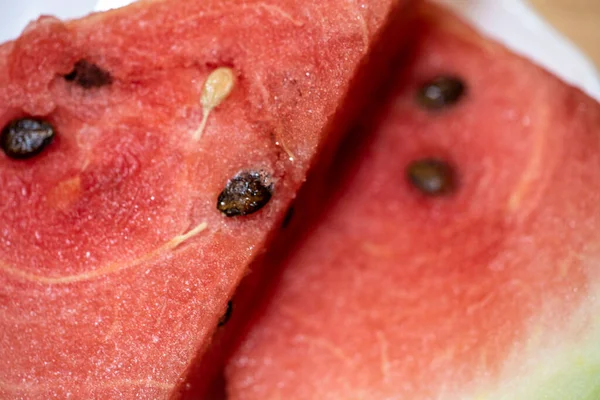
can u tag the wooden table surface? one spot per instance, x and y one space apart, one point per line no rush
579 20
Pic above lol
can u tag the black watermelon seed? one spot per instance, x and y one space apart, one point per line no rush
244 194
432 177
288 217
26 137
88 75
227 316
441 92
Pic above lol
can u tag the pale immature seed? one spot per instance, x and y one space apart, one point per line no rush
217 87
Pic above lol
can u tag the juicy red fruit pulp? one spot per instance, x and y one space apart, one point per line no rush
460 243
118 256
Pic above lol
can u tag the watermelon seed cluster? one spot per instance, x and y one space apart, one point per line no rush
26 137
434 177
217 87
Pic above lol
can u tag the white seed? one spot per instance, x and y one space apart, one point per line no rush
217 87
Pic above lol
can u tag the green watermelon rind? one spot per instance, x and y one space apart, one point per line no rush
563 364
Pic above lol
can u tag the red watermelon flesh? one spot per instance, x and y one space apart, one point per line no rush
116 264
485 287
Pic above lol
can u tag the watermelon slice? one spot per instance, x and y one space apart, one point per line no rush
149 154
458 257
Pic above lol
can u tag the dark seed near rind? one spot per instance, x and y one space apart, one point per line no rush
441 92
227 316
432 177
26 137
244 194
88 75
288 217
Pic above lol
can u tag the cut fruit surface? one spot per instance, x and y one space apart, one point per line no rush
458 258
161 145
